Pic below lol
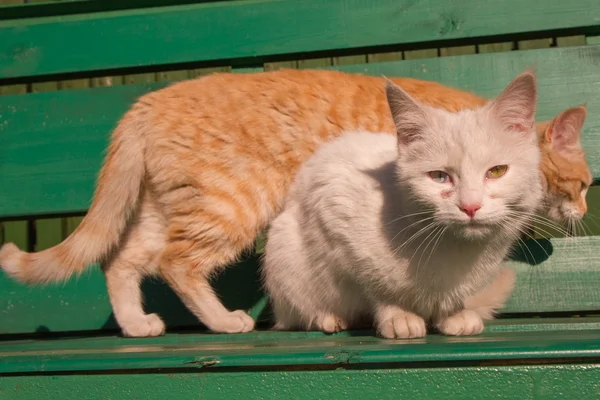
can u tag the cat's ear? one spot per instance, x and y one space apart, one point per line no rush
564 131
515 107
409 117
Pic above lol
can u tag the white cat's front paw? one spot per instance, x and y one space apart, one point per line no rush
330 324
402 325
150 325
463 323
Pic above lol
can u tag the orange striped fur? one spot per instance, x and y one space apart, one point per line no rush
196 170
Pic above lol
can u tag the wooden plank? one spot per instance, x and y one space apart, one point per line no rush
48 232
16 231
348 60
457 51
538 382
578 40
566 280
383 57
194 73
592 40
495 47
534 44
273 66
420 54
285 350
57 131
211 31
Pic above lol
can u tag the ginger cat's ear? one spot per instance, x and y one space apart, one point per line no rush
564 132
516 105
409 116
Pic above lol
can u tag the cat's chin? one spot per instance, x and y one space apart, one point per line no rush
473 231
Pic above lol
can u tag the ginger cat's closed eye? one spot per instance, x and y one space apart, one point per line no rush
196 170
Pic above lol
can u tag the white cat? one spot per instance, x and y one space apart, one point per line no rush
408 231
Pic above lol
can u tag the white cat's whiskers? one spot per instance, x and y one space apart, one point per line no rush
407 216
437 238
432 234
409 226
533 275
415 236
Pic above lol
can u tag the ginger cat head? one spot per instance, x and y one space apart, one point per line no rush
563 163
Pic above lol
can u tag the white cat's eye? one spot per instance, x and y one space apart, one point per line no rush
439 176
496 172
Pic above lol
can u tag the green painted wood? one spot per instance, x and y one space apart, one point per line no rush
540 382
277 349
592 40
567 280
53 145
210 31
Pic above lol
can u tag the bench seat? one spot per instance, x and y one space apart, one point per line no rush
68 72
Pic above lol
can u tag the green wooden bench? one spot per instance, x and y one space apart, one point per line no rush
69 70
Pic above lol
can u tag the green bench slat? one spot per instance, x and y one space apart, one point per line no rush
562 283
246 29
276 349
537 382
52 143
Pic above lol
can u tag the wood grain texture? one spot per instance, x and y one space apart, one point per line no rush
283 350
210 31
53 142
538 382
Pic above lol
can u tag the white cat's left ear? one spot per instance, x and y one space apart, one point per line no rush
515 107
409 117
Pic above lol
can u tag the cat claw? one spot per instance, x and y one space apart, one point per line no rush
463 323
151 325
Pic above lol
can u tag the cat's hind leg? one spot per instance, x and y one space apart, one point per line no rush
124 271
198 247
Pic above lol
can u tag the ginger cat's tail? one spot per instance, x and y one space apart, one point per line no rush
488 301
115 198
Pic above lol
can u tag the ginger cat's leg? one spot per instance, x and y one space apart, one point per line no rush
190 280
197 247
136 258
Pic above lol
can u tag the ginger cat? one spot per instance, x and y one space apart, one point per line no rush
196 170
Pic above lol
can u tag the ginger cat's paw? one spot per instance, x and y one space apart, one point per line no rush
234 322
330 324
463 323
150 325
401 325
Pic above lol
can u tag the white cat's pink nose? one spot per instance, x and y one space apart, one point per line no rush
470 209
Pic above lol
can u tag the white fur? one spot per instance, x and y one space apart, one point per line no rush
354 241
